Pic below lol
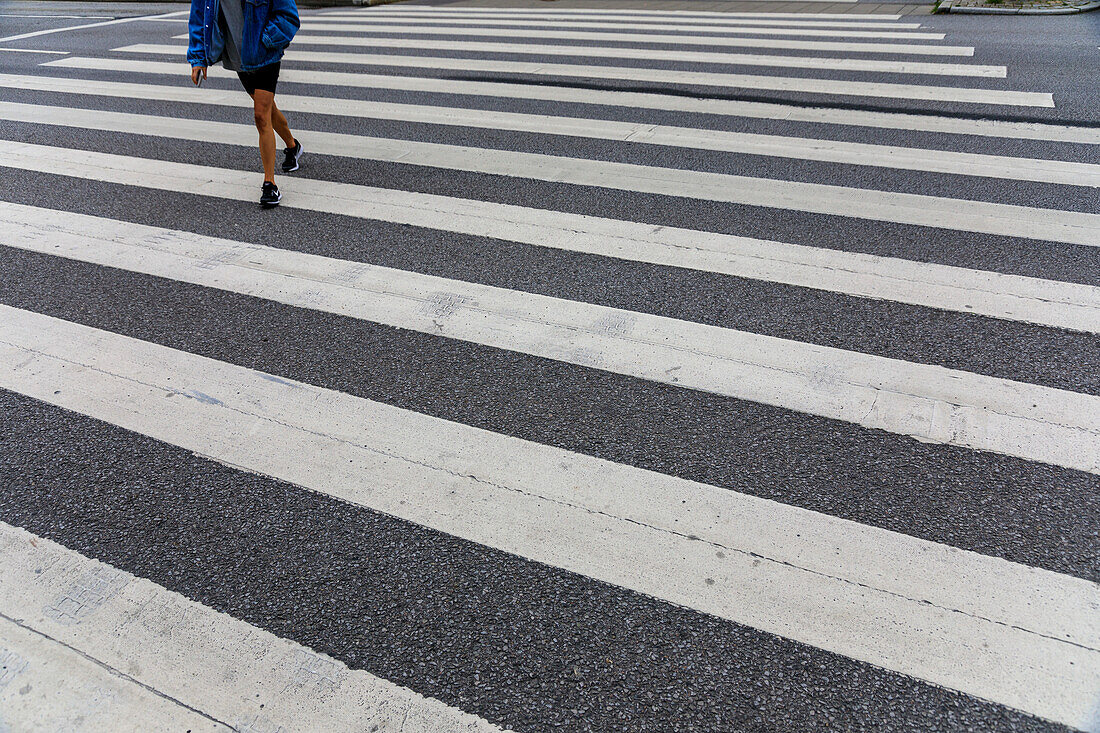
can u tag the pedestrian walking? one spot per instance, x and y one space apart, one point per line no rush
249 37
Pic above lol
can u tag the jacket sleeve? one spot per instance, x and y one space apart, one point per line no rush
196 46
282 24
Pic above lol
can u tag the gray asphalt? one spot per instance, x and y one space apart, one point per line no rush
528 646
979 501
524 645
1005 349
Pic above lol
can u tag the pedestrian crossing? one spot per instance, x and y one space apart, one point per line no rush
1046 302
789 29
902 208
699 57
1011 129
1002 167
586 357
570 534
985 412
669 38
889 90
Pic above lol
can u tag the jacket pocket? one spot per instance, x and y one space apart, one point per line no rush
281 26
277 36
273 38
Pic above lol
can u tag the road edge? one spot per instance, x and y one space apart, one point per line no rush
948 6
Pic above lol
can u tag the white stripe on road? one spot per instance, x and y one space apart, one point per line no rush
1048 225
64 690
709 27
1011 297
595 12
69 17
35 50
521 12
804 21
613 12
48 31
885 156
683 39
636 100
610 12
930 403
369 40
1017 636
115 652
661 76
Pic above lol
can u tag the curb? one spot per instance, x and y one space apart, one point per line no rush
948 6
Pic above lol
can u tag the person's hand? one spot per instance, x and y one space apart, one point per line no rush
198 73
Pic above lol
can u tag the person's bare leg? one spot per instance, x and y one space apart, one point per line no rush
262 104
280 125
282 129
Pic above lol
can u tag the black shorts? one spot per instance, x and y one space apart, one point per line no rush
265 77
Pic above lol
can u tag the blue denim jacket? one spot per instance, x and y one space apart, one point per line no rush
268 27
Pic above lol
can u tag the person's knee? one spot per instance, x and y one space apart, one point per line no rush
261 110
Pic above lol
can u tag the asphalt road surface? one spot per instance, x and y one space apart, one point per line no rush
620 370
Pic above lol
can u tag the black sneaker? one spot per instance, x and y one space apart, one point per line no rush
290 162
270 196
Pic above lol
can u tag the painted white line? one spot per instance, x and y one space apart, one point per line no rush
661 76
930 403
1049 225
680 39
35 50
48 31
885 156
1009 297
367 40
805 21
635 100
63 690
68 17
173 664
597 12
1018 636
709 27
